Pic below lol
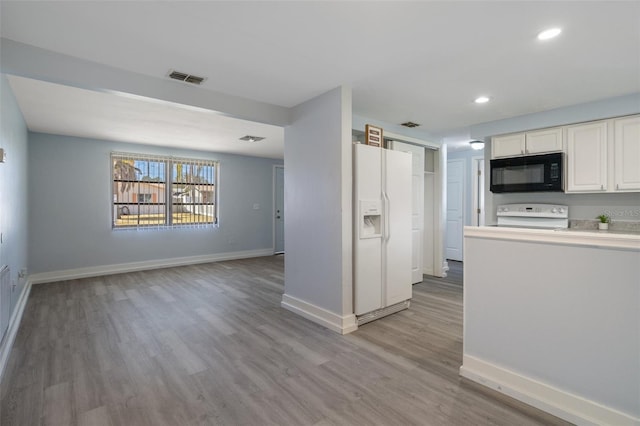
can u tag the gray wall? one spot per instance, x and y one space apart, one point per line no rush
318 202
13 187
605 108
70 210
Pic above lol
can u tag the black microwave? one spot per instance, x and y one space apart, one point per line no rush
532 173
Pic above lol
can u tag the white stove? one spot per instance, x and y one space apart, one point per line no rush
548 216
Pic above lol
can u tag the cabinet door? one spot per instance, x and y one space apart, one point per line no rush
627 154
507 146
541 141
587 157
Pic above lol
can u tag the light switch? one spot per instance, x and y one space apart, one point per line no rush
256 206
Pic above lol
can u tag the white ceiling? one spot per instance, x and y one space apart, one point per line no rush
418 61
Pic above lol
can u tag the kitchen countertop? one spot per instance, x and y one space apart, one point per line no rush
627 240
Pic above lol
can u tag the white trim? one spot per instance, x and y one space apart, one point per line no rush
273 207
555 401
440 212
591 238
14 325
334 322
477 201
95 271
416 141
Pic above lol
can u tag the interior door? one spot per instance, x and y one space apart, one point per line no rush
279 210
417 206
455 208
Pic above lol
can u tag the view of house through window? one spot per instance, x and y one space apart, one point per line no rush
151 191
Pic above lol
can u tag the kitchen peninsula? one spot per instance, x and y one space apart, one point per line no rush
552 318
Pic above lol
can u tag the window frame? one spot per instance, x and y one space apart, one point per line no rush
169 182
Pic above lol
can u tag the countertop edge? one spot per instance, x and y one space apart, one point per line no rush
581 238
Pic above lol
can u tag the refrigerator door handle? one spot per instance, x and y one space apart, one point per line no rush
387 208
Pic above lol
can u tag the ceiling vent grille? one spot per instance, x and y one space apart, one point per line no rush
187 78
250 138
410 124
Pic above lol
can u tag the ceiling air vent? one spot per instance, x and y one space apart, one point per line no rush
249 138
410 124
187 78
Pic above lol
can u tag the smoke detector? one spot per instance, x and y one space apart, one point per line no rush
187 78
250 138
410 124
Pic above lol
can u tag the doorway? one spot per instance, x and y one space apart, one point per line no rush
455 209
278 209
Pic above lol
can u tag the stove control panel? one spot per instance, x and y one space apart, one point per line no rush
534 210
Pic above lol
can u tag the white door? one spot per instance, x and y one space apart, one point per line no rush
417 206
368 265
397 227
279 210
455 209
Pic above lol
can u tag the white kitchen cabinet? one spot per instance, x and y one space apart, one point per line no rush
507 145
543 141
627 154
587 157
529 143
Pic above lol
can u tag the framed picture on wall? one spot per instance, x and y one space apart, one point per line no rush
373 135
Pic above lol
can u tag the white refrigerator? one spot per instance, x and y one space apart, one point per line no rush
382 246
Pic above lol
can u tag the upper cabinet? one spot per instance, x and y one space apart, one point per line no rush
600 156
627 154
507 146
529 143
587 157
542 141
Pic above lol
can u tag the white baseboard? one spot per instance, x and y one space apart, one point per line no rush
96 271
14 325
334 322
565 405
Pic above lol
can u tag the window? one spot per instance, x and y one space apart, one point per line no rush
150 191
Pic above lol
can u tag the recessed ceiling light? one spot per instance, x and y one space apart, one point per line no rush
482 100
550 33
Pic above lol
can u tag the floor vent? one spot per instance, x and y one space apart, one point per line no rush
187 78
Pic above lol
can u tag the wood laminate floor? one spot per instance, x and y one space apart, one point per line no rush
209 345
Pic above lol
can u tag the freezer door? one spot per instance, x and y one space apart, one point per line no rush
397 247
367 252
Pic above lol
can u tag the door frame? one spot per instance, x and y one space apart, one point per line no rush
477 190
273 206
